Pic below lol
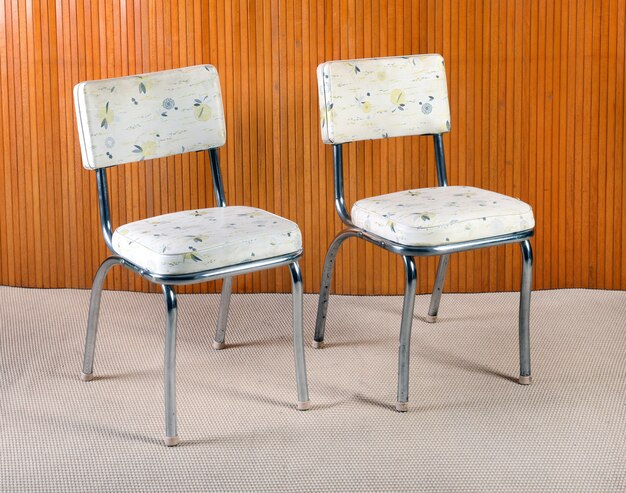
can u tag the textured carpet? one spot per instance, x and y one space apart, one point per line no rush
470 427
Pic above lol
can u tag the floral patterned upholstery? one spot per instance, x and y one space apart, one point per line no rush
205 239
436 216
373 98
149 116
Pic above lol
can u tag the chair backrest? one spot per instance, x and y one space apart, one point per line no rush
148 116
374 98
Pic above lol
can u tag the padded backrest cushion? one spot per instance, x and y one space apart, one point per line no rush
373 98
149 116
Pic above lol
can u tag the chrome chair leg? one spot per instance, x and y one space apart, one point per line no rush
298 337
171 435
405 334
220 333
437 289
524 313
327 275
92 320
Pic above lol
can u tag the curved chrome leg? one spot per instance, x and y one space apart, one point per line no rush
405 334
298 337
92 320
437 289
171 436
327 275
524 313
220 333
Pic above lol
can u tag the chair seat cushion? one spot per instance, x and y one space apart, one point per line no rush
437 216
205 239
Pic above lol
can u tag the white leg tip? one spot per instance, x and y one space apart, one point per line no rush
402 407
172 441
304 405
525 380
218 345
431 319
86 377
317 344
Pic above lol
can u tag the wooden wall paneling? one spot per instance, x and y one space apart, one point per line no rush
6 261
555 134
569 143
546 103
617 52
12 206
582 21
613 207
588 160
525 178
17 155
537 30
537 96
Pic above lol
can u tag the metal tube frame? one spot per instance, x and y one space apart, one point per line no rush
408 253
404 345
168 282
169 374
524 313
298 336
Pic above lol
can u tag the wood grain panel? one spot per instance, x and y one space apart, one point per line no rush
537 91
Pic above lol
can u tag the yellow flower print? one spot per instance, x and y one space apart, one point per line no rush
105 114
201 110
354 67
144 84
365 105
149 148
398 98
192 257
381 75
146 149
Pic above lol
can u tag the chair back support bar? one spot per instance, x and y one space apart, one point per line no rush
218 185
340 202
148 116
440 158
377 98
104 205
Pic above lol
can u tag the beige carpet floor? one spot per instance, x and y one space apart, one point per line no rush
470 427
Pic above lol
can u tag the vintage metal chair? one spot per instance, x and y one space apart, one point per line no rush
160 114
378 98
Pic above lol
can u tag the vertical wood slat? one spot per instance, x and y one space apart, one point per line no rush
537 92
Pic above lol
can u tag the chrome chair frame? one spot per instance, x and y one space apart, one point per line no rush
408 254
168 282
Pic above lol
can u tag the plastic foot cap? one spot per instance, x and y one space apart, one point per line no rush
304 405
86 377
172 441
525 380
317 344
431 319
402 407
218 345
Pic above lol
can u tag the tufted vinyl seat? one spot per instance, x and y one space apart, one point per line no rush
436 216
178 243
